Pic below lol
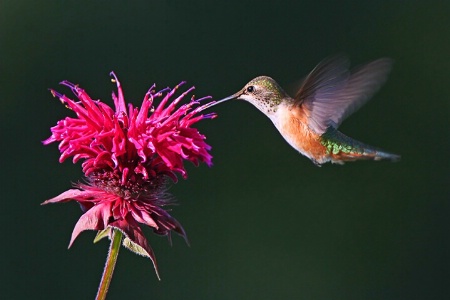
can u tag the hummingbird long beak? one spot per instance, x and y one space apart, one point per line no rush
214 103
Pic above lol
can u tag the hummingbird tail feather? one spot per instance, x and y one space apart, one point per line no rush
342 148
382 155
364 154
373 153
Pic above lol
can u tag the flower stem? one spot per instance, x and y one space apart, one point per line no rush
114 248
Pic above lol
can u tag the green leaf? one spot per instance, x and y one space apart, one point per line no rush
102 234
127 243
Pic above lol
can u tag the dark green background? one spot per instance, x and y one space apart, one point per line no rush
264 222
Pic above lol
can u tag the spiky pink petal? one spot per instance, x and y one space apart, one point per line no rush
126 153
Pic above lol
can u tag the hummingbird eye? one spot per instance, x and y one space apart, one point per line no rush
250 89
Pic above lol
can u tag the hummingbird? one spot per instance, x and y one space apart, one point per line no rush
327 96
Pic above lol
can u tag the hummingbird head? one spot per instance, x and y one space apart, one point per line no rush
263 92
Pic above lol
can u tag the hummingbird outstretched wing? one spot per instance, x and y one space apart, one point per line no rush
332 92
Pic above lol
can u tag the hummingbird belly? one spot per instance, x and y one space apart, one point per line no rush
294 129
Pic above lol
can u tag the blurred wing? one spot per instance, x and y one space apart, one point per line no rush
330 93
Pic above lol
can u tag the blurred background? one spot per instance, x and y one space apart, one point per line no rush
263 222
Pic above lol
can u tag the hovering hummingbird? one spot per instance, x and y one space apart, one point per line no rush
328 95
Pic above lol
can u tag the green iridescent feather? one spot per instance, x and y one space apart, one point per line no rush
337 142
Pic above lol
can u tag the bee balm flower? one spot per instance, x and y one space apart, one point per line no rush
127 154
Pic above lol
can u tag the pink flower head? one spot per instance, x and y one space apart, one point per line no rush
128 153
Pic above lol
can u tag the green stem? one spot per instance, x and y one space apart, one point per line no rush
114 248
